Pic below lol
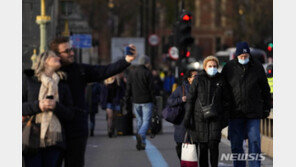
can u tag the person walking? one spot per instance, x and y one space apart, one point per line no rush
168 83
93 92
178 98
157 83
78 75
207 89
112 92
46 102
251 96
140 89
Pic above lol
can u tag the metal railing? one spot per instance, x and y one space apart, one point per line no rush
266 126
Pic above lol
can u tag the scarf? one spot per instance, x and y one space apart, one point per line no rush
50 129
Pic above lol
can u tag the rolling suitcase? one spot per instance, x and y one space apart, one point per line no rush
123 123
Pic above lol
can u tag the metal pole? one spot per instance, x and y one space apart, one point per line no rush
42 20
182 5
177 10
142 18
153 48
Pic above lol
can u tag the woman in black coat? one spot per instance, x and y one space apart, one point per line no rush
207 132
178 98
42 103
111 93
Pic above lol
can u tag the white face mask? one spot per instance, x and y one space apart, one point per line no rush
243 62
212 71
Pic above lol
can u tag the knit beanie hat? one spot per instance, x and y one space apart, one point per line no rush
144 60
241 48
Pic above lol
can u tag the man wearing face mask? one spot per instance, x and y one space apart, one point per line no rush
251 99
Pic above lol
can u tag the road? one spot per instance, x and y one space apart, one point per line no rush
120 151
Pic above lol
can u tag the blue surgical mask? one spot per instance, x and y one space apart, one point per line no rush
243 62
212 71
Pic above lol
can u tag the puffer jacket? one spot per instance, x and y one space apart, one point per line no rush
175 99
249 89
203 88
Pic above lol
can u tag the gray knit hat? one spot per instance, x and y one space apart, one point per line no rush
144 60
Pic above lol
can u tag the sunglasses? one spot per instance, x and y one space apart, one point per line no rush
69 50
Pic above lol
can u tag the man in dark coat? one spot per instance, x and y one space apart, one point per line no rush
140 88
78 75
251 96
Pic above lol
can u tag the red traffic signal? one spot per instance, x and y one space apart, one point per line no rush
186 17
188 54
269 47
182 74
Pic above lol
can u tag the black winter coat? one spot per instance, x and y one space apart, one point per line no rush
203 89
140 85
30 102
249 89
175 99
78 75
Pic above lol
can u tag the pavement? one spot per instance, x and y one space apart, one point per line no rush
160 151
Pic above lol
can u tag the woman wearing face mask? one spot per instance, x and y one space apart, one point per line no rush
206 89
178 98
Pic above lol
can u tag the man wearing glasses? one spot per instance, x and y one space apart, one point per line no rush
78 75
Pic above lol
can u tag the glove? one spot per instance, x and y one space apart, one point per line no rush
265 114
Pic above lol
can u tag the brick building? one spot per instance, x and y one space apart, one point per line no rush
211 28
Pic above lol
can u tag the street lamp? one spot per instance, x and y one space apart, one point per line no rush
42 20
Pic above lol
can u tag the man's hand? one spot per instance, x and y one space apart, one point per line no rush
130 58
47 104
184 98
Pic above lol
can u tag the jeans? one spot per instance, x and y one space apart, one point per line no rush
46 157
143 112
237 130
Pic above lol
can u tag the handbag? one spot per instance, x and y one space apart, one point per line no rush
155 125
188 153
30 135
174 114
208 111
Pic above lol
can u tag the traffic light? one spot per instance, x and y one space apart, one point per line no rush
269 47
188 54
184 29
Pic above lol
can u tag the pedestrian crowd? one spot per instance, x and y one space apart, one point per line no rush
59 95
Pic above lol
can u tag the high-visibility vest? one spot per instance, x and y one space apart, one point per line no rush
270 82
175 85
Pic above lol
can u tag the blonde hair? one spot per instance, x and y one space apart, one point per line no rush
109 80
210 58
39 66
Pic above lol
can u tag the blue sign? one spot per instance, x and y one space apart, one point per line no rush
81 41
